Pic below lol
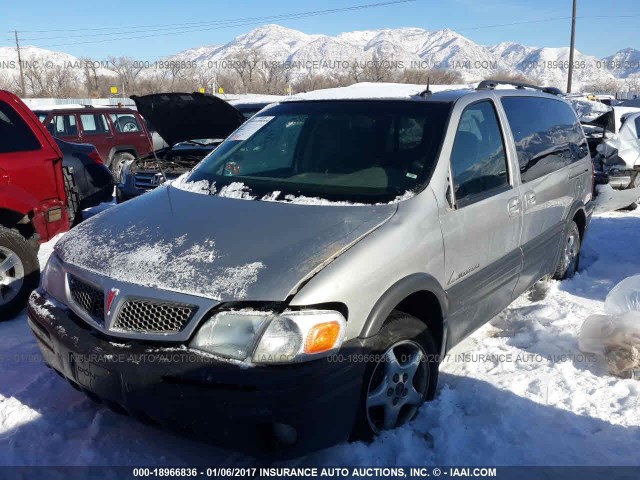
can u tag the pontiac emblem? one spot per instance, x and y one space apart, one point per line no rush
113 293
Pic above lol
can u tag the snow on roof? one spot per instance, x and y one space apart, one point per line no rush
367 90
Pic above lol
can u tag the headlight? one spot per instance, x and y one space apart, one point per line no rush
53 278
268 338
301 335
230 334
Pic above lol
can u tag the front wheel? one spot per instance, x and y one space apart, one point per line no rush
402 375
19 272
570 256
117 163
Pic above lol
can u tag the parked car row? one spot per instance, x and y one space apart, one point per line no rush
193 125
315 266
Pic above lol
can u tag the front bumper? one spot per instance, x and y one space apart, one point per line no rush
239 407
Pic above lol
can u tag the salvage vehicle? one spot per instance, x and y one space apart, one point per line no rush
119 134
614 142
88 181
184 120
32 200
300 286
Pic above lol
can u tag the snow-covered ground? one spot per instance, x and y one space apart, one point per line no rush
524 395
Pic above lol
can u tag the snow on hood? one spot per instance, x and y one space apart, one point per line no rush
588 111
179 117
215 247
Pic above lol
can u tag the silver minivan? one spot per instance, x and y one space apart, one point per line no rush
300 286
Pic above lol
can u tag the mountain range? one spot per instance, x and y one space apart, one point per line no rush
401 48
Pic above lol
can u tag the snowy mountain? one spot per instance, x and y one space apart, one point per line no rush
624 63
404 48
407 48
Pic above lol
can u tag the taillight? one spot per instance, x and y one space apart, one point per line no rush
95 156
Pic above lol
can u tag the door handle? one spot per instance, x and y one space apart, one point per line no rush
530 198
513 207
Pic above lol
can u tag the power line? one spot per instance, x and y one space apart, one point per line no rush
212 22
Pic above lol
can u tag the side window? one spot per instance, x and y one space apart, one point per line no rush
93 124
478 159
638 127
15 134
125 123
547 135
63 125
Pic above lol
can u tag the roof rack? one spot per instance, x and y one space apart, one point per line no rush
491 84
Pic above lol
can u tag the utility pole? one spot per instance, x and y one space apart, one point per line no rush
572 47
24 91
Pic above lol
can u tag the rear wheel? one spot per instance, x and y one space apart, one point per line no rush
402 375
19 272
570 256
73 197
118 161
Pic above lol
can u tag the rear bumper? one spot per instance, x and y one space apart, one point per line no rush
236 406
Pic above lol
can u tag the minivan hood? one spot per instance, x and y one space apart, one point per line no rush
215 247
179 117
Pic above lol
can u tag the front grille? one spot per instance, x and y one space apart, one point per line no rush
148 180
88 297
152 316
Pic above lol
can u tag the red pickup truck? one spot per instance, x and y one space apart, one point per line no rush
32 200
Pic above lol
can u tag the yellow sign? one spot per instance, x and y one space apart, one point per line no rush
201 89
221 90
114 90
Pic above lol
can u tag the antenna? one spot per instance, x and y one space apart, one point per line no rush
427 91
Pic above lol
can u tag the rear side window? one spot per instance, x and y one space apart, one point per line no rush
547 134
478 159
15 134
125 122
63 126
638 127
94 124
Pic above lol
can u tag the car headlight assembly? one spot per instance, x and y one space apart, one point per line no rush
269 338
300 335
53 281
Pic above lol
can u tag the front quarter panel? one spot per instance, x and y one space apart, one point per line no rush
409 243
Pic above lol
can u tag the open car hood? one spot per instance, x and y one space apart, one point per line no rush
179 117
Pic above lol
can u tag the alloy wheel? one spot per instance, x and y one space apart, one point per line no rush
398 386
11 275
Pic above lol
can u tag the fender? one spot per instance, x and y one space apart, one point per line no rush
413 283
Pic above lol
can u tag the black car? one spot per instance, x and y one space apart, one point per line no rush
193 125
88 181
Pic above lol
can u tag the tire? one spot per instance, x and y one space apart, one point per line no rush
73 197
119 159
570 255
19 272
391 396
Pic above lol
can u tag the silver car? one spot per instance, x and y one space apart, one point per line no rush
300 286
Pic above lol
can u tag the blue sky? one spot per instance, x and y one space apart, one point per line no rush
596 35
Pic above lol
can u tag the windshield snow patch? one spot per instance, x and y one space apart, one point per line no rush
161 264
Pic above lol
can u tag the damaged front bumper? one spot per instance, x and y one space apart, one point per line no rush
277 410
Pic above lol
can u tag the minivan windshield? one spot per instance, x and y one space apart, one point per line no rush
354 151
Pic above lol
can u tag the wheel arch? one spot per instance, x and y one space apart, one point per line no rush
419 295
